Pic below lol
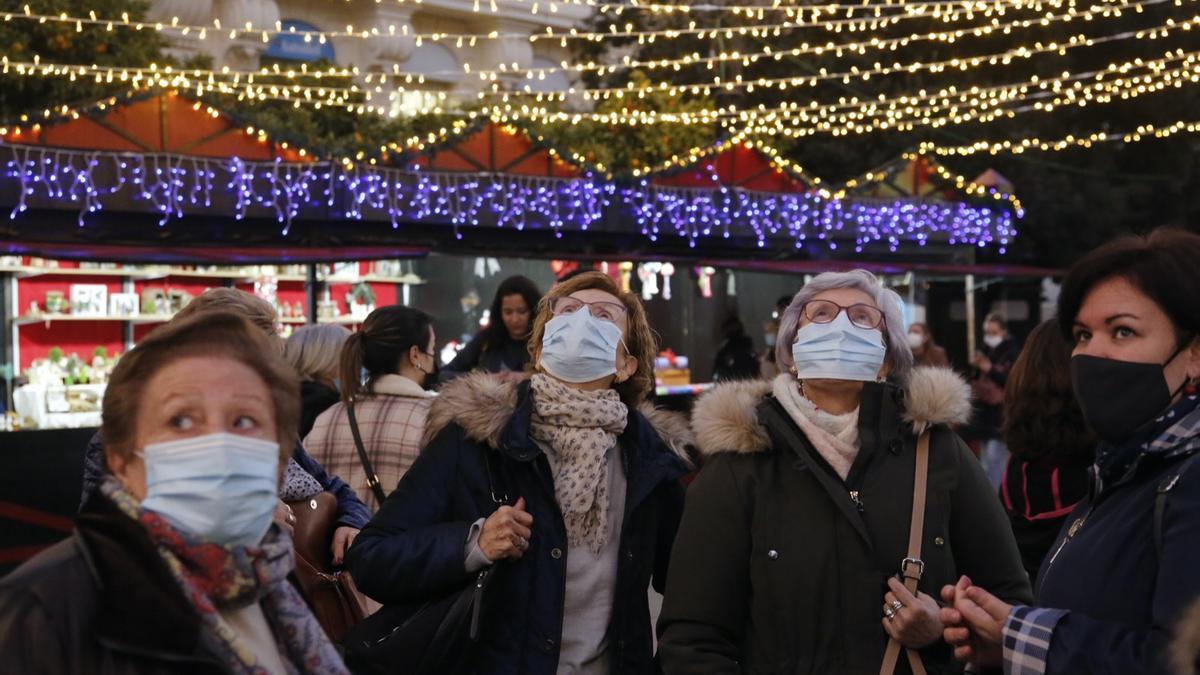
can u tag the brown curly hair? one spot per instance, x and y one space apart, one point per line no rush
639 339
1041 416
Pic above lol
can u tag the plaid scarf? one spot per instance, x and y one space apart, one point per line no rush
1176 432
578 428
215 578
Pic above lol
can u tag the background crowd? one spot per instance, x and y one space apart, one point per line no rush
337 502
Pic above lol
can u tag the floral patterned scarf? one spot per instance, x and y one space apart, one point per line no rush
215 578
578 428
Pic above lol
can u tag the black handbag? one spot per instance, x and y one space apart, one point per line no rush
434 636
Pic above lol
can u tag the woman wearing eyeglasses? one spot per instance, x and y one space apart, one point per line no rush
565 484
797 529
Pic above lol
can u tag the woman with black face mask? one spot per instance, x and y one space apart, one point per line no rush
1124 567
396 350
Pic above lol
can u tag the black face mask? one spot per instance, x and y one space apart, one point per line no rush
430 381
1119 397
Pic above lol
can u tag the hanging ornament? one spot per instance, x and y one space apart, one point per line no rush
626 276
493 266
668 270
731 289
480 268
705 280
648 273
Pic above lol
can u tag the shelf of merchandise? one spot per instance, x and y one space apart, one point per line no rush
51 318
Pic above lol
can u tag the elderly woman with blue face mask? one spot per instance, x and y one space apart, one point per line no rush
798 552
566 485
174 564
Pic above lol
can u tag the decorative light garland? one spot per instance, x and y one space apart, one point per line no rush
927 9
861 47
172 185
1016 147
959 64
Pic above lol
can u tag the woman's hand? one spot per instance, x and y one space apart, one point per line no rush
506 532
285 518
975 623
915 623
343 537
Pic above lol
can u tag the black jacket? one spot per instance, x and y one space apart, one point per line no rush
315 398
100 602
777 569
505 355
414 546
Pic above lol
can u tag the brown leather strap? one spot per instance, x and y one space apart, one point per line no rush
372 477
912 566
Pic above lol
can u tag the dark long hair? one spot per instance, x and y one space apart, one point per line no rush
1041 416
386 336
496 333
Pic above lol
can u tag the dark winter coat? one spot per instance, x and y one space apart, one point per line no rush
481 354
1123 597
736 360
351 511
415 545
987 420
1038 495
315 398
776 569
100 602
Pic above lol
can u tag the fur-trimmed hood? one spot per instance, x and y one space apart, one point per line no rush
483 403
725 419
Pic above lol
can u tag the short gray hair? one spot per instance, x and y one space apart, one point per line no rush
315 350
899 355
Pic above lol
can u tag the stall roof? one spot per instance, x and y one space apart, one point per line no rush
735 163
917 176
163 122
492 147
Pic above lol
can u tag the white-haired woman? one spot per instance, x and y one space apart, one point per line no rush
794 533
315 353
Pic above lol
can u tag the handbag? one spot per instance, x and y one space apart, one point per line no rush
912 566
431 636
331 595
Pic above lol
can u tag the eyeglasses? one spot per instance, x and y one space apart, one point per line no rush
605 311
825 311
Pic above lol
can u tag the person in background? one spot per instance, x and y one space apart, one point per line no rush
303 476
1051 445
502 347
314 352
396 349
768 368
797 524
991 367
593 495
926 352
736 358
174 564
1122 574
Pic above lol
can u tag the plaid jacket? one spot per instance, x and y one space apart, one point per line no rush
391 421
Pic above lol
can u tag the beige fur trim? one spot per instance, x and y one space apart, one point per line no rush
482 404
936 396
726 420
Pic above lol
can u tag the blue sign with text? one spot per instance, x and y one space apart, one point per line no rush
298 46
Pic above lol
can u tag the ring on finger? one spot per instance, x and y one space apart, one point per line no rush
889 612
897 605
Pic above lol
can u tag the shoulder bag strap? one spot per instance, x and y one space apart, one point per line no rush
912 566
372 477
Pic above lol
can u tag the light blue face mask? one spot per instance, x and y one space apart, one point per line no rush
222 488
580 348
838 350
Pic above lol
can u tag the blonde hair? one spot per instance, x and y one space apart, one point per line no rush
258 311
639 339
315 351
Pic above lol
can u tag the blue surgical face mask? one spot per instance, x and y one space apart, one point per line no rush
838 350
769 339
222 488
580 348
